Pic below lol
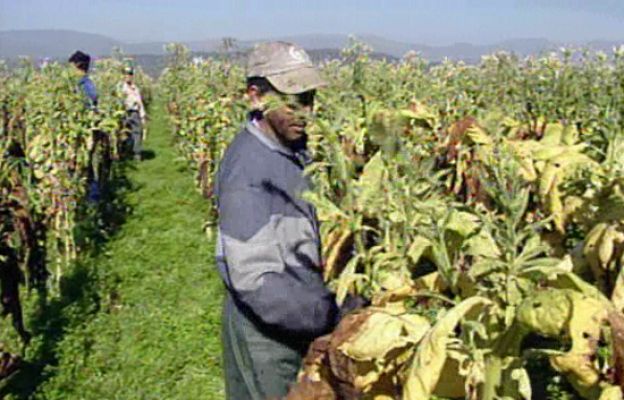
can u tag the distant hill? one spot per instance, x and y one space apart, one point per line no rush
61 43
53 43
153 64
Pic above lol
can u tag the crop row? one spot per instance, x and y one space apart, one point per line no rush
54 148
479 207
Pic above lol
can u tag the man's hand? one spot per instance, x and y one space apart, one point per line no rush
352 303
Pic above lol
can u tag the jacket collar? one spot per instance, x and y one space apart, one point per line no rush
272 144
301 156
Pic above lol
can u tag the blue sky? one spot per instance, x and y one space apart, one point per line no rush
418 21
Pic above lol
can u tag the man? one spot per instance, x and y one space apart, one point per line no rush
268 250
135 118
81 62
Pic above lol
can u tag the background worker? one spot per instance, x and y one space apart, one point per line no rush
135 112
81 62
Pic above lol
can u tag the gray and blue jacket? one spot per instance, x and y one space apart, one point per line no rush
268 251
89 91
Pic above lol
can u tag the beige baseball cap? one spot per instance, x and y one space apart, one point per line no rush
285 65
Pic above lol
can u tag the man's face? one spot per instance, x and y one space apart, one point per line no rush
129 78
76 70
288 115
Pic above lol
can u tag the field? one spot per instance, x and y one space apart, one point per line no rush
479 208
135 313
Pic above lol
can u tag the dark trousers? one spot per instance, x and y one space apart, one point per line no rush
135 128
257 366
99 165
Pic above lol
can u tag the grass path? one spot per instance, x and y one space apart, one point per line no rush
153 327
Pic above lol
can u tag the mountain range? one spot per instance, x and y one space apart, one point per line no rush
61 43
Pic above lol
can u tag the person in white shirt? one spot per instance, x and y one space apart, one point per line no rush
135 119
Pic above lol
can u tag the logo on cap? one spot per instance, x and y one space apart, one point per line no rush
298 55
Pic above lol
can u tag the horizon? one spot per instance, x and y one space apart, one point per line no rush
440 23
318 34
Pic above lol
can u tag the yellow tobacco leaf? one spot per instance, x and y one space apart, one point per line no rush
607 246
428 365
337 251
370 184
478 136
590 251
570 134
453 382
383 299
555 207
527 170
347 280
483 245
546 312
552 134
617 296
547 152
520 378
571 206
420 116
380 343
569 280
505 379
432 282
548 179
611 393
393 279
382 333
552 313
419 245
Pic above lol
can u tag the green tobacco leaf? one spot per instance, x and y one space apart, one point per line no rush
420 116
326 210
464 223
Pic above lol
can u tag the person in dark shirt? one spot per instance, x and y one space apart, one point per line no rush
81 61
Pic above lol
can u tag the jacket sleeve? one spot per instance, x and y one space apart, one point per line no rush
90 91
141 105
277 282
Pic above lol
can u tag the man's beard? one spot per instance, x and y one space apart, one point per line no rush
299 144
